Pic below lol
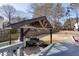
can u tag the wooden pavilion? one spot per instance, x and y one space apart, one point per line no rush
40 23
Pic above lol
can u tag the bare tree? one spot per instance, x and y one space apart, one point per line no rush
8 11
46 9
52 11
75 6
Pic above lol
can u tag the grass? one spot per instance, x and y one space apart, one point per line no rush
56 37
7 38
60 36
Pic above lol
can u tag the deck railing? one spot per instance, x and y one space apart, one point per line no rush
14 49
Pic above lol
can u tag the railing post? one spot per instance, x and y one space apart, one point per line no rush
2 53
20 51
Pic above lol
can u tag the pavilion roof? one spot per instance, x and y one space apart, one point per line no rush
39 22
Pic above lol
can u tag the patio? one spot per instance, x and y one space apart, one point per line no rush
61 49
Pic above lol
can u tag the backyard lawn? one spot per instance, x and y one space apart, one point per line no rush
7 38
60 36
56 37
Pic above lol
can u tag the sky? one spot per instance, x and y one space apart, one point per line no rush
18 6
21 7
27 6
24 7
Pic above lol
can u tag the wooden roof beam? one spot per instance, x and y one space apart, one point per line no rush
46 24
41 23
26 31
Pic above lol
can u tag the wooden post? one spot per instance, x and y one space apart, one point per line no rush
50 36
21 34
10 37
20 50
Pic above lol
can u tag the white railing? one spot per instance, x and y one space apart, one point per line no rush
14 49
